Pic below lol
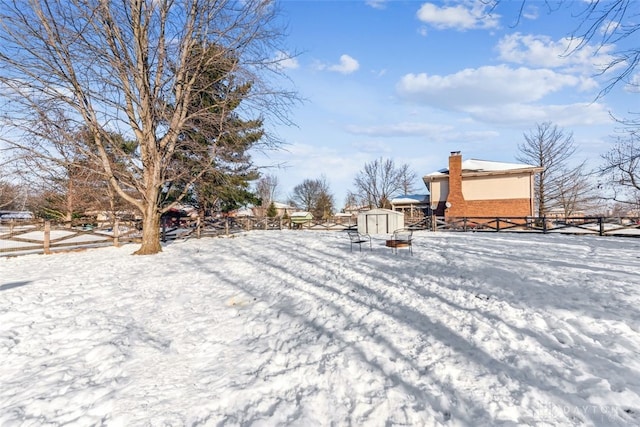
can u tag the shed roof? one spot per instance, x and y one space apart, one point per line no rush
301 214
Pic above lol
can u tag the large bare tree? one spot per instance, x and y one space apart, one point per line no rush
138 68
560 184
314 195
622 167
380 180
266 189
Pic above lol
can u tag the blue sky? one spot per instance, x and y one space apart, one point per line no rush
413 81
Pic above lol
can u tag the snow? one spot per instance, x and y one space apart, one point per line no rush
475 165
291 328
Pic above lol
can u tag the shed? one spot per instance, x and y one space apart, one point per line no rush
380 221
301 217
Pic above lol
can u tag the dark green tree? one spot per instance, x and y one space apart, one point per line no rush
272 212
212 165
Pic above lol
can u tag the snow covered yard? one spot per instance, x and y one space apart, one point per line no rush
274 328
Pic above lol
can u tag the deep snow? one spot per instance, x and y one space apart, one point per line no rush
273 328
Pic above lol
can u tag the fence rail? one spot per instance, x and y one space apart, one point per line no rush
19 237
602 226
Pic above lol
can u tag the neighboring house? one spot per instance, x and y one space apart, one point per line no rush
480 188
283 209
411 205
16 215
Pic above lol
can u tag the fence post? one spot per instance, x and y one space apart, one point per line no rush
226 226
116 233
601 225
544 224
464 224
497 225
198 226
46 243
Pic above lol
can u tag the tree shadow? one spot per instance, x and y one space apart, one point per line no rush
13 285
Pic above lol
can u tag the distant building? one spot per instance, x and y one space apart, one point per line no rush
481 188
16 215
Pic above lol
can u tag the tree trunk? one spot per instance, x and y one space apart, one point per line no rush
150 231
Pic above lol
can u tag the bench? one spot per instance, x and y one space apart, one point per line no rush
401 239
359 239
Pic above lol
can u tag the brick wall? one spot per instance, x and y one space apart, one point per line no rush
496 208
455 197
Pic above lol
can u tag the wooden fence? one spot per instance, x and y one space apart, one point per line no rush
602 226
21 237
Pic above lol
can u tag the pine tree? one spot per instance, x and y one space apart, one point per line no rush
272 212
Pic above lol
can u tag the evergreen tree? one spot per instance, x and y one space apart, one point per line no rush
272 212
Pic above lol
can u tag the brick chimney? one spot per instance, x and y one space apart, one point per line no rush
455 197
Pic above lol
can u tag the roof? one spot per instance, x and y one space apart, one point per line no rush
475 165
279 205
300 214
380 211
410 199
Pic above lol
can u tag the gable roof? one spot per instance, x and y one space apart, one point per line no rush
486 166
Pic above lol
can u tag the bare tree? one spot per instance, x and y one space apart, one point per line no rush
11 196
576 193
559 185
380 180
55 162
622 168
314 195
139 68
266 190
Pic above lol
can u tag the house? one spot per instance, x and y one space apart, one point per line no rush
411 205
481 188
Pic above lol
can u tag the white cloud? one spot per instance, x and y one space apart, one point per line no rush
286 61
347 65
484 86
531 12
543 51
404 129
376 4
412 131
578 114
634 84
465 16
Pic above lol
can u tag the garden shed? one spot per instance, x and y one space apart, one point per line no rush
300 218
380 221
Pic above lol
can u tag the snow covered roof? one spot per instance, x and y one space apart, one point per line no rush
300 214
244 212
279 205
410 198
475 165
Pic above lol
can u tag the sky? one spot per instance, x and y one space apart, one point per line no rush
412 81
274 328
